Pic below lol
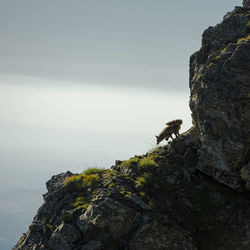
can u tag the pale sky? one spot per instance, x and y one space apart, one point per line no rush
142 43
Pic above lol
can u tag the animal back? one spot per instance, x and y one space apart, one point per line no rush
174 122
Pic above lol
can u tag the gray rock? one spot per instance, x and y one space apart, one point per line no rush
246 3
57 181
171 180
83 224
57 241
68 216
154 236
69 232
109 218
245 174
190 157
220 85
92 245
118 162
36 226
138 201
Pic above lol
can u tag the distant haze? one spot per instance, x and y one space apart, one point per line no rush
49 117
143 43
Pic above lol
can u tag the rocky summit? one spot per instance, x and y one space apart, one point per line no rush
220 98
190 194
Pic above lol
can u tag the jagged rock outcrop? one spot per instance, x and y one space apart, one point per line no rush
220 98
182 196
246 3
155 201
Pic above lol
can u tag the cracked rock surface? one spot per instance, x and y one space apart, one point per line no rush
220 98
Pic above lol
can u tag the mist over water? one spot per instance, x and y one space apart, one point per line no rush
47 128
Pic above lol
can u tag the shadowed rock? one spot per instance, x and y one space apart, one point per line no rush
220 92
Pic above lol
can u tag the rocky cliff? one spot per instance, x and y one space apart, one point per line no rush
220 98
190 194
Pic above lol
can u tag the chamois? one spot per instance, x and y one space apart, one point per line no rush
173 127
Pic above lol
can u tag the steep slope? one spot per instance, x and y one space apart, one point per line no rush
190 194
220 98
155 201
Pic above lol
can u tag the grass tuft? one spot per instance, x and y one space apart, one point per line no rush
132 161
82 180
94 170
91 179
73 179
145 181
81 202
147 163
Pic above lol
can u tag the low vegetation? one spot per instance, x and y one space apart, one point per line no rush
248 23
144 181
89 177
243 39
94 170
81 202
85 185
131 162
147 163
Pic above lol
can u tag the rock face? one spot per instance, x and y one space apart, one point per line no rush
220 97
190 194
246 3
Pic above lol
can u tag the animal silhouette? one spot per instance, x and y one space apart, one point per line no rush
173 127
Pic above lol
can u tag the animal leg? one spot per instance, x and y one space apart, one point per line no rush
166 138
